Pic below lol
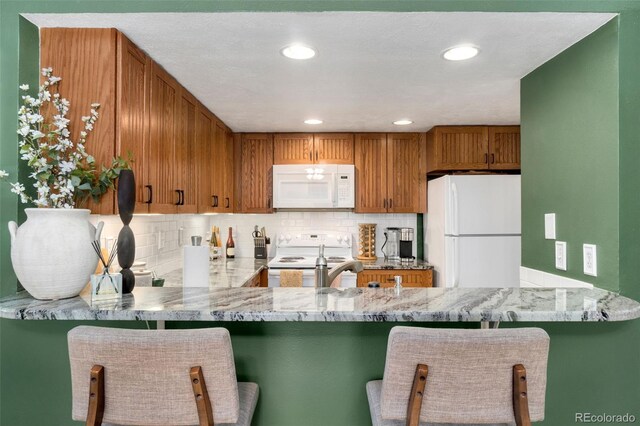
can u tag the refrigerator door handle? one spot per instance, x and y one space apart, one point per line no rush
455 219
456 263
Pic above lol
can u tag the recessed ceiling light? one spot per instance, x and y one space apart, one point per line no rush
313 121
298 51
402 122
460 53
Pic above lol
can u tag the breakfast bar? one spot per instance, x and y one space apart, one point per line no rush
334 305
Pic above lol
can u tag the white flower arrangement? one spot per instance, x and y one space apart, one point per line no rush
64 173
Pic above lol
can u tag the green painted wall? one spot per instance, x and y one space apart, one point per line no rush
570 154
314 373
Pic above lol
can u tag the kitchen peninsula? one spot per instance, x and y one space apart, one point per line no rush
222 302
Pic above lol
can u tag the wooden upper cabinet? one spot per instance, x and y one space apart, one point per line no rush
504 147
333 148
85 59
256 162
390 173
132 131
371 172
313 148
186 154
218 161
204 142
460 148
163 122
403 172
229 177
293 148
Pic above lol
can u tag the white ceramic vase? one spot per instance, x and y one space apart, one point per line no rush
51 252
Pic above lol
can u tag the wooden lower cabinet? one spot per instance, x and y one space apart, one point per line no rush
410 277
260 279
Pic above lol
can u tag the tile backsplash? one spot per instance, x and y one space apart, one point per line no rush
159 238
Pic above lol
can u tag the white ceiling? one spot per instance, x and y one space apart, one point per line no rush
371 68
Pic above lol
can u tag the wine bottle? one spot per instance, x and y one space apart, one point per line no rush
231 247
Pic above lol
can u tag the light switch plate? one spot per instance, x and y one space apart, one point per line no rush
561 255
550 226
589 260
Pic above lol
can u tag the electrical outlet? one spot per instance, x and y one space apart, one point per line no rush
589 260
550 226
561 255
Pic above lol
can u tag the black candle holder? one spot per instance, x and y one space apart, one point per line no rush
126 239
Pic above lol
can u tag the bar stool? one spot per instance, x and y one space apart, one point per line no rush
157 377
434 376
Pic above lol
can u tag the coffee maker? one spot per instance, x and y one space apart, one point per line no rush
391 246
406 244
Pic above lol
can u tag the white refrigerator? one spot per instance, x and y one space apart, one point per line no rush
473 230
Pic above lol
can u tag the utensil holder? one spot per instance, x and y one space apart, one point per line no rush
260 247
367 241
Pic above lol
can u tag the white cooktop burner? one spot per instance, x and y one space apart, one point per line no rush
301 251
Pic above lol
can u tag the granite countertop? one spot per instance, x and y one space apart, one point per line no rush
396 264
223 272
332 304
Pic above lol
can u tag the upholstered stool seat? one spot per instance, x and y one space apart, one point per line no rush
157 377
436 377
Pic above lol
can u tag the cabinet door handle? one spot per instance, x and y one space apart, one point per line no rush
493 158
150 192
178 202
385 203
391 279
390 202
182 197
228 202
269 202
310 156
486 158
214 201
316 156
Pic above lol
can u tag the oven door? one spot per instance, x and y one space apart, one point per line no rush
345 279
308 277
309 186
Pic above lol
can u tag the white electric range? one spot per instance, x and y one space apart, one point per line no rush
299 252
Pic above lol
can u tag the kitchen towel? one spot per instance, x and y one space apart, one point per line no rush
290 278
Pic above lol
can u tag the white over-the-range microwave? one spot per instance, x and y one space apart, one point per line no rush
314 186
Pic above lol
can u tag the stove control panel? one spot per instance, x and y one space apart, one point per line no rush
314 239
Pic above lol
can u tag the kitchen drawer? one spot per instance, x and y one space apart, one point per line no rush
410 277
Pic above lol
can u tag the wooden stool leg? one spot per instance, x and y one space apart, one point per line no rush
205 413
520 398
96 396
417 391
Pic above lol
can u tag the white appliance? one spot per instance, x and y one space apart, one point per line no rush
299 252
314 186
473 230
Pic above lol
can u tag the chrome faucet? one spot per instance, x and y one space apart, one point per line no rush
324 278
